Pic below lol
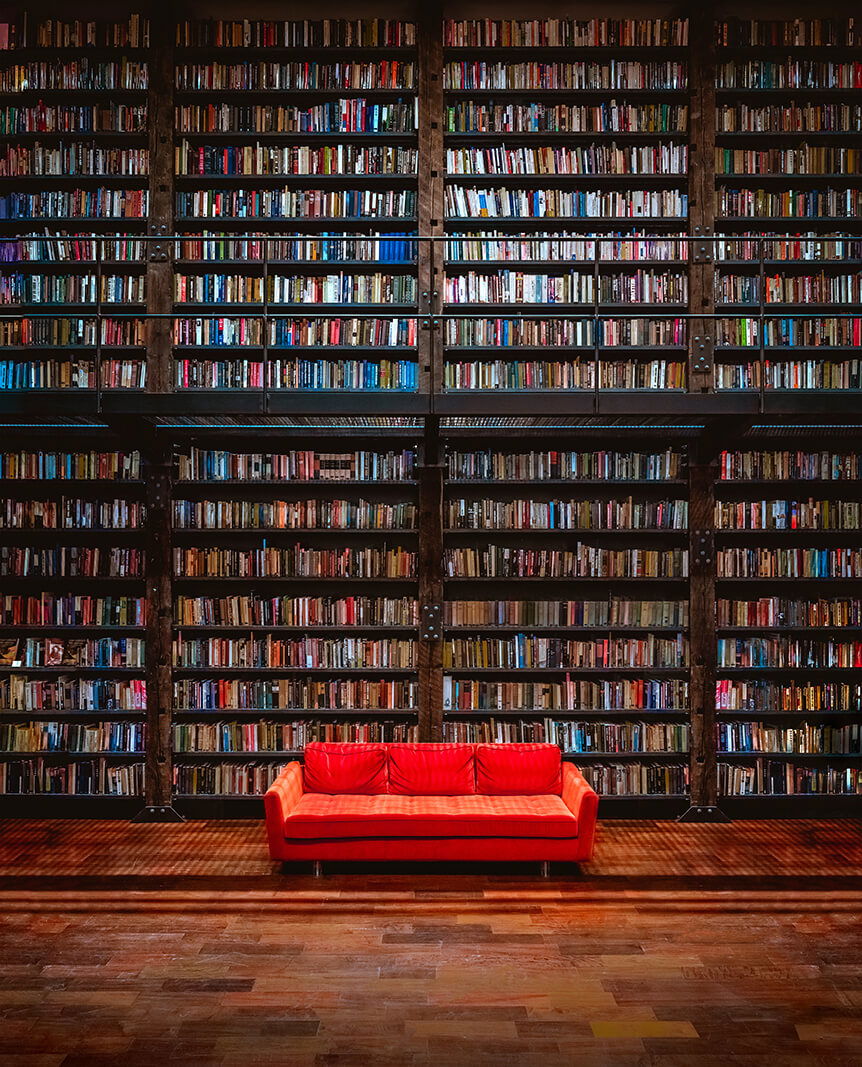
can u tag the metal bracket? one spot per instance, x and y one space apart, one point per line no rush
703 813
431 622
159 813
701 354
703 548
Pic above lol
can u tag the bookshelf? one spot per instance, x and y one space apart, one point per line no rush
565 606
787 694
566 151
73 613
74 202
295 613
304 135
787 171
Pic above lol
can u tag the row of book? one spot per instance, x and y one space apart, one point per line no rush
486 116
788 515
783 652
244 610
464 202
820 697
300 465
660 158
782 465
582 561
72 609
76 204
780 612
271 76
38 465
804 331
313 653
343 288
573 737
544 375
72 289
569 694
350 115
808 738
83 74
70 513
529 651
89 777
127 652
70 561
295 33
545 332
575 287
637 779
784 563
95 737
550 247
625 514
270 159
795 374
295 694
78 249
268 736
306 374
297 561
284 203
579 74
70 694
773 778
56 118
344 332
792 117
292 514
789 204
76 33
800 159
225 779
793 33
820 288
613 612
789 73
66 374
70 160
327 247
487 464
565 33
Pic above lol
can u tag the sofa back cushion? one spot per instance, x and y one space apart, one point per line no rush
349 768
428 769
518 770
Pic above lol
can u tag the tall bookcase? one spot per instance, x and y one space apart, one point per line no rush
73 612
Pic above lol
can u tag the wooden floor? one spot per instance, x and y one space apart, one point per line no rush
696 946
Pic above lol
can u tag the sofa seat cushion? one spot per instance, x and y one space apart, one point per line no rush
319 815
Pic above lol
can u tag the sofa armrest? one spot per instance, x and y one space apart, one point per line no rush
583 802
278 801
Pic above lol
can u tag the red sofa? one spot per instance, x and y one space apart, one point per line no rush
430 802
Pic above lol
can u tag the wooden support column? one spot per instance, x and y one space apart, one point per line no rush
702 473
160 282
159 650
701 194
431 586
429 20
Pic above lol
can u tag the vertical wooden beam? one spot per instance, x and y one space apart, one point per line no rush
431 586
701 194
702 473
429 19
159 652
160 121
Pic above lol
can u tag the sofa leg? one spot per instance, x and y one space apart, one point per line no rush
317 868
545 868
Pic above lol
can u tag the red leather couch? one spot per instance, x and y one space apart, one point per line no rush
431 802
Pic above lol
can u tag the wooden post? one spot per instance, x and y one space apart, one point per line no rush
160 281
430 192
159 569
702 473
701 199
431 586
